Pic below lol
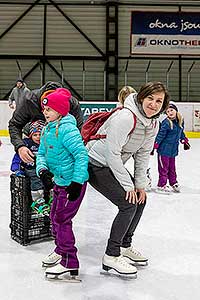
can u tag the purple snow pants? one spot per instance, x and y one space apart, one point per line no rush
167 170
62 213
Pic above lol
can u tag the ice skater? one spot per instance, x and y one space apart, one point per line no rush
171 132
124 93
108 175
18 95
63 155
21 168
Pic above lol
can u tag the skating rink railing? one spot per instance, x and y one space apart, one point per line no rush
190 112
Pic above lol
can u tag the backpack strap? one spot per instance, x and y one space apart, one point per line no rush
97 137
103 136
134 123
134 120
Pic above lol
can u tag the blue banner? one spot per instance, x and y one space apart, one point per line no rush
88 107
169 23
165 33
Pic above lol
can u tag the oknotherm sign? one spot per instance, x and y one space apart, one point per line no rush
165 33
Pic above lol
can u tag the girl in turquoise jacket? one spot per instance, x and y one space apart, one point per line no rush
63 157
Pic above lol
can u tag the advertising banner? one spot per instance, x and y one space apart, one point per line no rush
89 107
196 117
165 33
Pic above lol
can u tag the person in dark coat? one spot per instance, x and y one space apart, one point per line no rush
32 111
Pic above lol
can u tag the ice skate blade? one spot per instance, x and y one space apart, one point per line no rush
162 192
136 263
114 273
63 277
50 265
139 263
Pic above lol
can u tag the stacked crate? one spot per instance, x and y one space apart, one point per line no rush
26 225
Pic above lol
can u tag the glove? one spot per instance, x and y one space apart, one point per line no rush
46 178
186 146
74 191
152 152
155 146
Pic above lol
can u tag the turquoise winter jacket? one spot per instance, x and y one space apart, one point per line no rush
62 152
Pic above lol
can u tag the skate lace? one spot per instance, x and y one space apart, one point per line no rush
53 255
134 251
120 259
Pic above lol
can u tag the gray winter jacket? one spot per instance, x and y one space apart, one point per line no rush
119 145
18 95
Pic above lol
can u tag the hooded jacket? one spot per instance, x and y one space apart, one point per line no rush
168 138
31 111
62 152
19 95
17 164
119 145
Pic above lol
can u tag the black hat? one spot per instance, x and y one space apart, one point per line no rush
20 80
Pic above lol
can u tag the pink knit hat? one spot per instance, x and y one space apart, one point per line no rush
59 100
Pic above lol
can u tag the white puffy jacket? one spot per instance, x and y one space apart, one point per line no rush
119 145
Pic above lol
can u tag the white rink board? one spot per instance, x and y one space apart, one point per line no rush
187 109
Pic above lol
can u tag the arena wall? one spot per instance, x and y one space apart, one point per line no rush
190 112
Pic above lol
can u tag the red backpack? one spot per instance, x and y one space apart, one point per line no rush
95 121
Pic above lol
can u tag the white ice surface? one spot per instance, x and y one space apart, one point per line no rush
168 234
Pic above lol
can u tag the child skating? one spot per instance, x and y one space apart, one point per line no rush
21 168
63 156
171 132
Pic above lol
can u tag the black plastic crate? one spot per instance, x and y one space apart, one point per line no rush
26 225
20 191
31 218
25 235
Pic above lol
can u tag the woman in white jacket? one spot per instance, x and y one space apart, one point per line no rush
109 176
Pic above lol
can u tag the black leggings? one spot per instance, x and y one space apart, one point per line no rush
128 217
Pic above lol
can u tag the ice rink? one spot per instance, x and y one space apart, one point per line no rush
168 234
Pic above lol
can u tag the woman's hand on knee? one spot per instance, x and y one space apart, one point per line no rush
141 196
131 197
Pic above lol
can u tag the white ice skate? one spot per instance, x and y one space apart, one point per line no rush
165 190
134 256
176 188
51 260
59 272
118 266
